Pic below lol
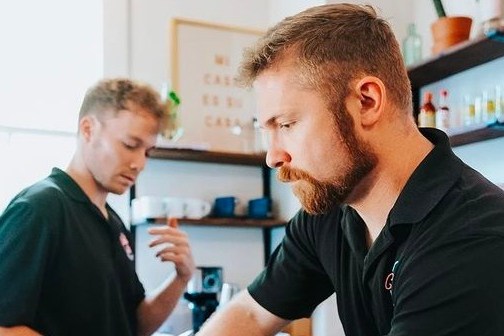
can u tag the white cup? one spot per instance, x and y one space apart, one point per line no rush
196 208
146 207
175 207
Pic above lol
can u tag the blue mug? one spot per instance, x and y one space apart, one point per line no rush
259 207
225 206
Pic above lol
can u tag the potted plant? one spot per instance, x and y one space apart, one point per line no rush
448 30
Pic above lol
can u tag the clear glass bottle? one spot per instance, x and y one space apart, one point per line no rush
499 104
478 109
412 46
469 110
488 107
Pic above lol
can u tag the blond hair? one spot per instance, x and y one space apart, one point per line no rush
119 94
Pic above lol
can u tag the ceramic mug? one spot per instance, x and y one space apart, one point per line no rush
225 206
145 207
196 208
175 207
259 207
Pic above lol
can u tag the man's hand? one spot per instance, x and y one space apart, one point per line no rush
173 246
176 250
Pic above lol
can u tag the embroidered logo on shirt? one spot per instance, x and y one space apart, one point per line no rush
389 280
126 246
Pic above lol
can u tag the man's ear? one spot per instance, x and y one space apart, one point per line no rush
87 126
371 94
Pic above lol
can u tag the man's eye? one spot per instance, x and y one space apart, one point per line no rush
286 125
129 146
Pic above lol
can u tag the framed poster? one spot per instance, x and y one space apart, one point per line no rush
215 113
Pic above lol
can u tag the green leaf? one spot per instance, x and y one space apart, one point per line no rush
439 8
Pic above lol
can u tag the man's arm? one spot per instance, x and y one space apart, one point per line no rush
243 313
18 331
154 309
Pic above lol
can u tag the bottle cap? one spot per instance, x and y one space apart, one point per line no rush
428 96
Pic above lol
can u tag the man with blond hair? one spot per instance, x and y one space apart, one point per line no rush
66 262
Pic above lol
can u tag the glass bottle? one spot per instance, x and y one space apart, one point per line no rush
443 112
478 109
499 104
469 110
172 129
427 115
412 46
488 107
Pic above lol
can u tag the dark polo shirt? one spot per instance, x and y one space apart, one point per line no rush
437 267
64 268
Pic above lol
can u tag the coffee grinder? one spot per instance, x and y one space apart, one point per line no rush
202 293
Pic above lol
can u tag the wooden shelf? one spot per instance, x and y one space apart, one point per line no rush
476 135
208 156
456 59
224 222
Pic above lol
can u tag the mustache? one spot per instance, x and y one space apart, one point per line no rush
286 174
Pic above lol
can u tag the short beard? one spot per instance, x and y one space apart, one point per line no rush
319 197
316 197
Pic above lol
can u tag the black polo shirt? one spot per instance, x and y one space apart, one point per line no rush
437 267
64 268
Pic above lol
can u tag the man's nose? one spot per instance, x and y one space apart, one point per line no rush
276 157
139 161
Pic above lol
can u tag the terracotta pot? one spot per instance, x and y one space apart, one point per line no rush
450 30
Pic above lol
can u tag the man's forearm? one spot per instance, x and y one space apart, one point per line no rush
154 310
232 321
242 313
18 331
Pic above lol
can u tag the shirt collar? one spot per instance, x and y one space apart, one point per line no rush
430 181
75 192
68 185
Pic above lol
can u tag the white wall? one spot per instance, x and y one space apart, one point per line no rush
44 71
279 9
116 39
485 157
398 13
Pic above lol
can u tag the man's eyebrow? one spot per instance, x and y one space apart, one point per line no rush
270 122
273 120
138 141
134 138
